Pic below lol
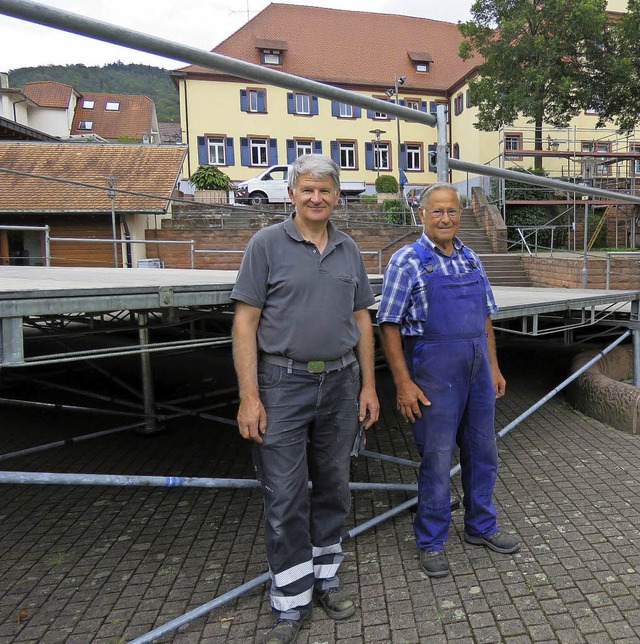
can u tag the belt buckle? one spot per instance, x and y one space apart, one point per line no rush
315 366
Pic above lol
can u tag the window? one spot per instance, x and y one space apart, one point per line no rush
458 104
112 106
414 156
344 154
253 100
271 58
381 156
381 116
258 151
468 98
512 141
85 125
594 167
216 151
302 104
88 104
635 163
413 104
303 147
346 111
422 67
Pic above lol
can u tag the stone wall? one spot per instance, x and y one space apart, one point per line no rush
489 218
598 392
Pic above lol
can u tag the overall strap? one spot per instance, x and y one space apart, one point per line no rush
469 257
425 256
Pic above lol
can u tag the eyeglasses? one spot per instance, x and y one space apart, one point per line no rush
438 213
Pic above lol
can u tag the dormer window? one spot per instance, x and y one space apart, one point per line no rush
271 51
85 125
421 60
112 106
88 104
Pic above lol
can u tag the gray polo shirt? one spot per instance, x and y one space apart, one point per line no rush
307 299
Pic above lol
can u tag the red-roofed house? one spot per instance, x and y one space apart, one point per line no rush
56 104
117 117
65 186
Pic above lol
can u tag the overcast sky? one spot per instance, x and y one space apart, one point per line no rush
197 23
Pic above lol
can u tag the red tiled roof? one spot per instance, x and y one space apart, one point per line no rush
352 47
49 93
132 119
149 169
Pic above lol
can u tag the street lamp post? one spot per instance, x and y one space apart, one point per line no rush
398 80
376 150
111 193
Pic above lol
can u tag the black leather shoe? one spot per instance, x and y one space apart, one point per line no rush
336 602
502 543
434 563
285 631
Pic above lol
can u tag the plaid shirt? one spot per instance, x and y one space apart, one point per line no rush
404 273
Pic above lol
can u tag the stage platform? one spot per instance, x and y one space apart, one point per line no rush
57 292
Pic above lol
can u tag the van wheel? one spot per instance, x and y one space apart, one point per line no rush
258 198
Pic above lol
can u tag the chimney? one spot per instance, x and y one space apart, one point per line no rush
4 80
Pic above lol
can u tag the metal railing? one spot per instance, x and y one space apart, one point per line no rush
611 254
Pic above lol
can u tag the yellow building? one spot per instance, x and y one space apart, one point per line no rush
244 126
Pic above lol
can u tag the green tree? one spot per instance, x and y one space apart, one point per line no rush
618 82
540 59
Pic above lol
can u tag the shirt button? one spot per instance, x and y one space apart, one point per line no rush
315 251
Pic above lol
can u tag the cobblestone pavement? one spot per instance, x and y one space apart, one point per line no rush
105 565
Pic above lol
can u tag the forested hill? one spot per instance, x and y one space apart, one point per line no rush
115 78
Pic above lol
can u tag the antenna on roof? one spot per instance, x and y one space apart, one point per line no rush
248 11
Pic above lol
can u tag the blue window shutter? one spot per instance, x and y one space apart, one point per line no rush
423 106
314 105
403 102
433 107
335 108
291 151
261 101
403 156
291 108
369 161
244 100
273 151
230 156
370 114
317 147
203 158
335 152
245 159
432 166
357 112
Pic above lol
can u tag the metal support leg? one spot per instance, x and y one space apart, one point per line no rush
11 342
147 380
635 308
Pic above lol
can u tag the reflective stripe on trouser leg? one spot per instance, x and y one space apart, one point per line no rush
295 422
326 562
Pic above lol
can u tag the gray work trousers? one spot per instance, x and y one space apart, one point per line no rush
312 421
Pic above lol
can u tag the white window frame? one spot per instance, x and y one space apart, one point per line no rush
414 156
259 151
85 125
509 139
302 103
346 111
216 150
380 116
381 156
304 147
271 58
112 106
252 100
412 104
88 104
347 153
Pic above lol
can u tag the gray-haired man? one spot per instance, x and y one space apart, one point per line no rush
303 352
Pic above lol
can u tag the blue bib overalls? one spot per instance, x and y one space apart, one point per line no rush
450 363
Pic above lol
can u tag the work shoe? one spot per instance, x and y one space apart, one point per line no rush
336 602
497 542
285 631
434 563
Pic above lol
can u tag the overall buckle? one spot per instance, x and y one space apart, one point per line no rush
315 366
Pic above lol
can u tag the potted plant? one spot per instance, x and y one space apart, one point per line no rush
386 187
211 184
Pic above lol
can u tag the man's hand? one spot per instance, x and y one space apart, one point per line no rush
252 419
408 397
499 383
369 407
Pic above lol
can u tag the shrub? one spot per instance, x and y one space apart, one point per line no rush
386 183
393 211
209 177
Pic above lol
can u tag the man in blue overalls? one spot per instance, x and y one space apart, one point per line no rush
440 347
